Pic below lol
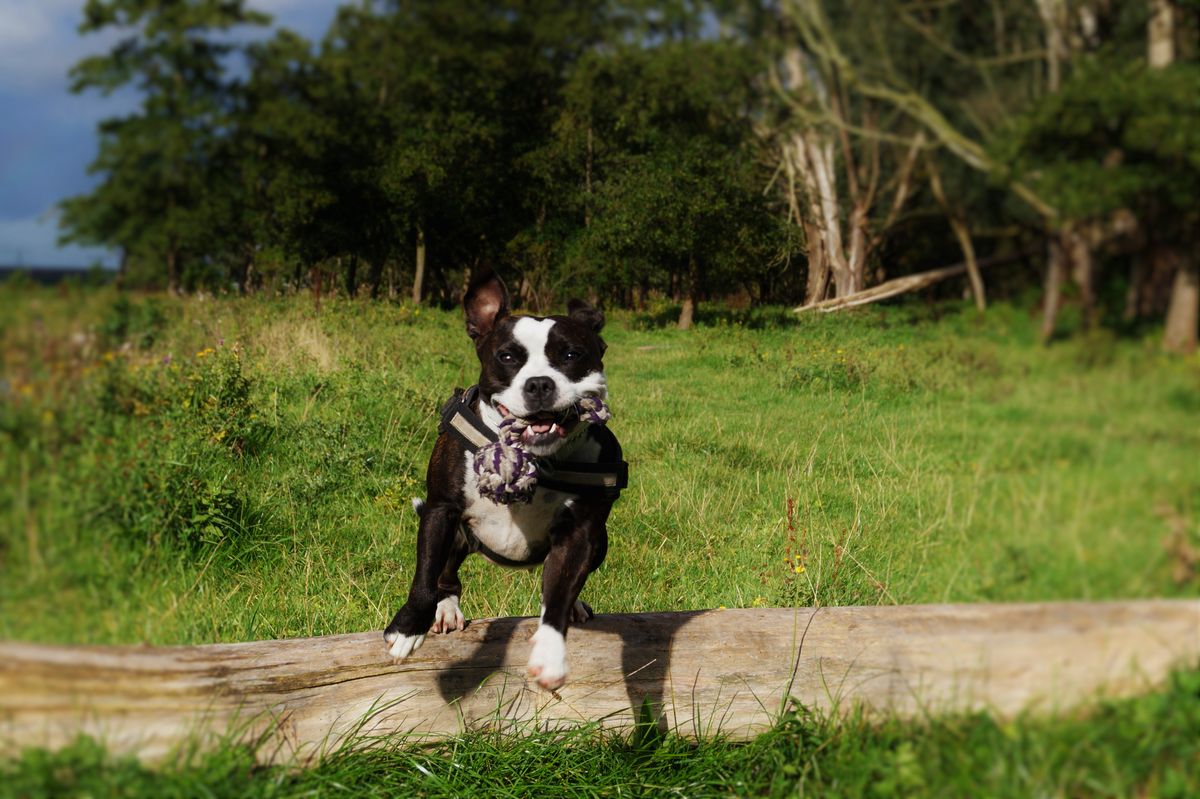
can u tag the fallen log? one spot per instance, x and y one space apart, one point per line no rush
903 285
727 672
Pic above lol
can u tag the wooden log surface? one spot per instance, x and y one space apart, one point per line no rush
704 672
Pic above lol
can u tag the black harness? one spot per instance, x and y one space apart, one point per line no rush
601 480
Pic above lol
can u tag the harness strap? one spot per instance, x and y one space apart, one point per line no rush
460 421
578 477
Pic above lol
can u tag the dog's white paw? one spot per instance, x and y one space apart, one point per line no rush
403 645
548 660
449 616
581 612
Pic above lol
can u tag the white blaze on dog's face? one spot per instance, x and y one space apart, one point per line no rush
536 369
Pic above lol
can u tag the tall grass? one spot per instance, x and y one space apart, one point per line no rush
215 469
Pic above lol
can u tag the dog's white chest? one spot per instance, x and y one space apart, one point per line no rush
517 532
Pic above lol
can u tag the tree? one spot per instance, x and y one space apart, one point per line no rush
833 154
671 190
155 163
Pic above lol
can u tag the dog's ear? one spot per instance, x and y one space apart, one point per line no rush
485 303
585 314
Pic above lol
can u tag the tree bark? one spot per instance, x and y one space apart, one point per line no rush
818 266
376 276
1056 274
352 276
1160 34
1183 314
962 233
418 288
902 285
1053 13
705 673
1083 271
245 270
173 271
690 289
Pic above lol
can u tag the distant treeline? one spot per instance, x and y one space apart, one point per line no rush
789 152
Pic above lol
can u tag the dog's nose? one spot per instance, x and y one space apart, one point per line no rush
539 391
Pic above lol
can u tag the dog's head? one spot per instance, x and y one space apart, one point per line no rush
535 368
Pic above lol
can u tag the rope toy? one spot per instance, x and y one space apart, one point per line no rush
506 471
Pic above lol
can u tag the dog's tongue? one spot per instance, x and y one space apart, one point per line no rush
541 427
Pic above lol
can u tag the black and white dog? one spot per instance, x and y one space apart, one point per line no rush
536 370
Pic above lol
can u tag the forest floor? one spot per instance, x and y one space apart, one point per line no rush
218 469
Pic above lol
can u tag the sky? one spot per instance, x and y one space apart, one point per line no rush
48 135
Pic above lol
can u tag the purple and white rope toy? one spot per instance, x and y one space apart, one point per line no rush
505 470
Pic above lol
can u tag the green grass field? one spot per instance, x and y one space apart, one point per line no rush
193 471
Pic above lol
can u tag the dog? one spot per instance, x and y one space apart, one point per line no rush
534 372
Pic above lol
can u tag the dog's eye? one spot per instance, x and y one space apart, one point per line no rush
505 357
573 355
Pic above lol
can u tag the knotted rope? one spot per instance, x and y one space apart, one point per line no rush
506 471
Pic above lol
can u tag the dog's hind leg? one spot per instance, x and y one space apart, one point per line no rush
582 611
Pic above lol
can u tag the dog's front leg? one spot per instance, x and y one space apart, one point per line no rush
575 552
435 536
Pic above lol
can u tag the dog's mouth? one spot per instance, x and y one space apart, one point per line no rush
544 427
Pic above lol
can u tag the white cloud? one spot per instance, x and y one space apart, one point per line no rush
39 43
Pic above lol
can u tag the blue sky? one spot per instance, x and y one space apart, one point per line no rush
48 135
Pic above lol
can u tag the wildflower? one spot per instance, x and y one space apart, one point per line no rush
759 602
799 568
204 353
166 359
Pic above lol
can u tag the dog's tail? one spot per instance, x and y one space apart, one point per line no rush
419 506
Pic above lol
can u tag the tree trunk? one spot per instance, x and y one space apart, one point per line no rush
902 285
704 673
818 266
352 276
1134 294
1083 268
691 287
1053 15
316 279
419 276
376 276
1056 275
173 271
1160 34
244 273
1183 315
962 232
122 270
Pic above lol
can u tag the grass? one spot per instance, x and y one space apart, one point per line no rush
192 471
